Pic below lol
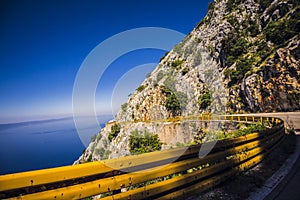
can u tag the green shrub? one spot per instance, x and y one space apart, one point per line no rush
178 48
205 100
167 52
263 4
137 106
93 138
233 47
243 66
233 21
143 142
232 5
239 47
182 98
177 64
90 158
178 144
198 40
159 76
124 107
100 152
253 29
141 88
244 130
263 50
272 9
114 131
175 101
185 71
110 137
173 105
170 83
203 21
211 5
230 60
281 31
233 75
115 128
294 2
206 135
106 154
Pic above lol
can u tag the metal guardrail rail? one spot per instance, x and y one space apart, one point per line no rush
169 174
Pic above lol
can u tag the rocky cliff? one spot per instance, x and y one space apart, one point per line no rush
242 57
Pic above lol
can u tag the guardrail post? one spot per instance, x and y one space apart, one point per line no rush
252 118
239 118
261 119
272 120
246 119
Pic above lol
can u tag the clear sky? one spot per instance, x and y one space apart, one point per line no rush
44 42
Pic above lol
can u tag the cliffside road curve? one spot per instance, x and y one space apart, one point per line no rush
291 119
288 188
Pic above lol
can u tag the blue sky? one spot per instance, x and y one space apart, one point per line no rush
43 44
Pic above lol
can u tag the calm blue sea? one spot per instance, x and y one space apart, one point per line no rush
39 144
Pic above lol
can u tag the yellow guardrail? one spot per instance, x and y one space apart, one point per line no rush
164 174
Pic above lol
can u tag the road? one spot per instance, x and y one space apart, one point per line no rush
289 187
291 119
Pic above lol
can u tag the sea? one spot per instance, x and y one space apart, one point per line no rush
41 144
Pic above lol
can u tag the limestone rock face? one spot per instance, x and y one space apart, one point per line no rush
242 57
276 87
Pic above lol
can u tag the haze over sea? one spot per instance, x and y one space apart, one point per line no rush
41 144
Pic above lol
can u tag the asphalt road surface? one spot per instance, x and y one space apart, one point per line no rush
289 188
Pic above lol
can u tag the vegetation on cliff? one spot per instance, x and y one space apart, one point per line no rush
143 142
242 57
115 130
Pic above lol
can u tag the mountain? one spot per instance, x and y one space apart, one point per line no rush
244 56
